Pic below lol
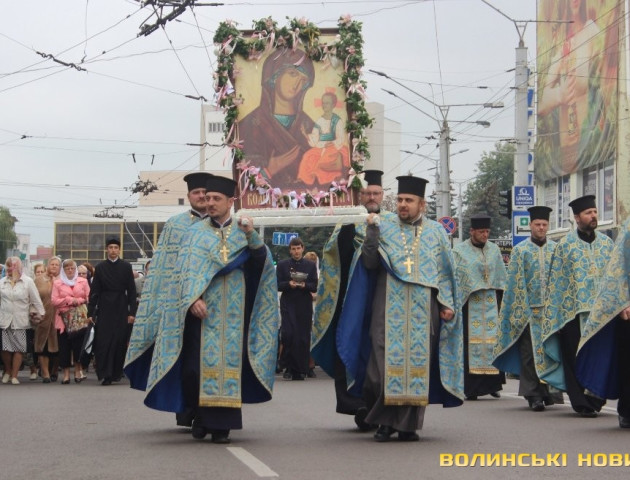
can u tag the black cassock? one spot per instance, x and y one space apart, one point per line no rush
296 310
112 300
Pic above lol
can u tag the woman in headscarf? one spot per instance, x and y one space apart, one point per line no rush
274 134
70 296
46 344
18 295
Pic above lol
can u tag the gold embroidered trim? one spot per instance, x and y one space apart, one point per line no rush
406 400
220 402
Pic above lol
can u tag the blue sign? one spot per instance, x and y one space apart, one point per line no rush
523 196
282 238
520 227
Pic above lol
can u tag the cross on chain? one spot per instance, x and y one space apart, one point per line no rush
224 251
408 263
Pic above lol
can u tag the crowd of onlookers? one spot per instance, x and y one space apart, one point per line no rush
43 320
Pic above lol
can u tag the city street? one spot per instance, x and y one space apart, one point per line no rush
88 431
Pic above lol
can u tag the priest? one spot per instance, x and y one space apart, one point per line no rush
217 342
339 250
112 307
481 279
163 265
603 359
519 348
400 334
577 266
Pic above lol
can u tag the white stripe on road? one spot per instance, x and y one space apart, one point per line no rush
258 467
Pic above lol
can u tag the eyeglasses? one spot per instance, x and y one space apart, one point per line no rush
83 274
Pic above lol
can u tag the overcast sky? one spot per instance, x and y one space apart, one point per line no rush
68 136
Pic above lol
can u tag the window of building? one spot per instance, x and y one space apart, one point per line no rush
557 195
180 201
598 180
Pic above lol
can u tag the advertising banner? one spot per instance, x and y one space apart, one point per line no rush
578 65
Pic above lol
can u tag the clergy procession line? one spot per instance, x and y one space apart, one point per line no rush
401 320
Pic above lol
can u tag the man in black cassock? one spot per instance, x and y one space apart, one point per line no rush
112 307
296 310
341 248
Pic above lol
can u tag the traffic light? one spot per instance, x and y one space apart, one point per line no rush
506 203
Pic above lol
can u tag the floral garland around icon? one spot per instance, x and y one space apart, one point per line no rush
266 36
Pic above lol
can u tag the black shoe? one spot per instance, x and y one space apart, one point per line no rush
65 382
311 373
46 380
408 437
624 422
199 432
221 436
287 375
298 376
537 405
53 378
495 395
471 397
106 381
384 433
587 413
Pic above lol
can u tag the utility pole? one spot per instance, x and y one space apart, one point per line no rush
444 185
520 124
520 84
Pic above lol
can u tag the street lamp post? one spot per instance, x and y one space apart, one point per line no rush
443 198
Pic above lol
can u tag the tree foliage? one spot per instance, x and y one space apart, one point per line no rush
495 172
8 238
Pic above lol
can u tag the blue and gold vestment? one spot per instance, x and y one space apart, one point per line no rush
574 277
161 271
480 274
414 277
596 363
522 305
212 265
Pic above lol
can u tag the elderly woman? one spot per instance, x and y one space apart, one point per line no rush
46 344
18 295
70 295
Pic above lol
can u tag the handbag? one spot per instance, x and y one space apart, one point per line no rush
75 319
34 317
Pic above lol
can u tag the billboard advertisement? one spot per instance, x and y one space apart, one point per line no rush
577 82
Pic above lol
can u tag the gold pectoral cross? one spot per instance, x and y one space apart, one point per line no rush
224 251
408 263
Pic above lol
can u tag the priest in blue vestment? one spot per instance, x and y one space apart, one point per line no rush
333 282
519 348
481 279
217 342
163 266
603 358
400 331
577 266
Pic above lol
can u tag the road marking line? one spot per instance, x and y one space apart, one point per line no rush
258 467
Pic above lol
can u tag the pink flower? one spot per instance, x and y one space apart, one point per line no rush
346 19
303 21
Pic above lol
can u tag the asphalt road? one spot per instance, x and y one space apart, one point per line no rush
88 431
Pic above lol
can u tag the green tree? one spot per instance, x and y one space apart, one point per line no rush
8 238
495 172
